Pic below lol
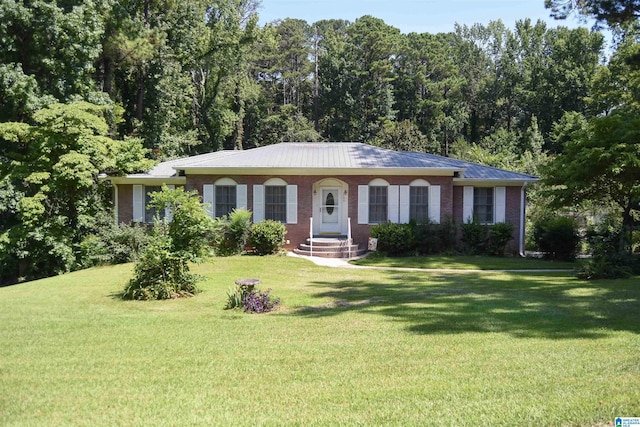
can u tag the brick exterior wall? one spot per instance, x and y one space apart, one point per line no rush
512 213
450 199
125 203
513 217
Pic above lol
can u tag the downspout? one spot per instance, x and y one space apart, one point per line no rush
523 200
115 197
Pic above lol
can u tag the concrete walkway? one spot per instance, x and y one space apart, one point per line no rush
344 263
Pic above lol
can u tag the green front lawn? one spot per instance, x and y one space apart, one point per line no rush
377 259
347 347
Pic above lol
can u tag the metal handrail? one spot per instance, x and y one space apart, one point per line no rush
311 236
349 240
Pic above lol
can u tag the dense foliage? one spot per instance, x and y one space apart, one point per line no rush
394 239
609 257
267 237
557 237
51 196
429 238
233 232
163 272
611 12
434 238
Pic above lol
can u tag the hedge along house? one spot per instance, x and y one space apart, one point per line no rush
334 192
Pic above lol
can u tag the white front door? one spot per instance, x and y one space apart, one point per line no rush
330 218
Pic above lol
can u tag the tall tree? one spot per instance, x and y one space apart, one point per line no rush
428 88
355 77
53 43
611 12
51 170
221 73
600 162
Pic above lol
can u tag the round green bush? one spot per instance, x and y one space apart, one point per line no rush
267 237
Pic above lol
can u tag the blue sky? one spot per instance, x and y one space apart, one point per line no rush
421 16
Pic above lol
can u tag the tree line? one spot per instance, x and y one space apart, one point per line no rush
199 76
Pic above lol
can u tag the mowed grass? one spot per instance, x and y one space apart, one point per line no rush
347 347
377 259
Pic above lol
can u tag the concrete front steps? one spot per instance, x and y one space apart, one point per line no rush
330 247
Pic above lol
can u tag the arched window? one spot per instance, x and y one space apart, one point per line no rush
225 194
419 201
378 201
275 200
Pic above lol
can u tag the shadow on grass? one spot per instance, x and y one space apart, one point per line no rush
556 307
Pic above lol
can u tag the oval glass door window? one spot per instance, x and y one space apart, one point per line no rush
330 202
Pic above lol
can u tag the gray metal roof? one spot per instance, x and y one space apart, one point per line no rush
316 155
478 171
329 155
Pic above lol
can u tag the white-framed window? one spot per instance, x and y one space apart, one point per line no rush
420 202
142 211
223 196
419 195
487 205
275 200
225 199
378 204
483 205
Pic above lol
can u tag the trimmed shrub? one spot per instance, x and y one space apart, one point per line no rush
394 239
557 237
500 235
474 238
127 242
426 238
447 231
267 237
431 238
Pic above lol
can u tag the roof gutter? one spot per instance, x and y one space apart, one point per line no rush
523 200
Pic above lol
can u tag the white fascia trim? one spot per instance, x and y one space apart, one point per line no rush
321 171
175 180
459 182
